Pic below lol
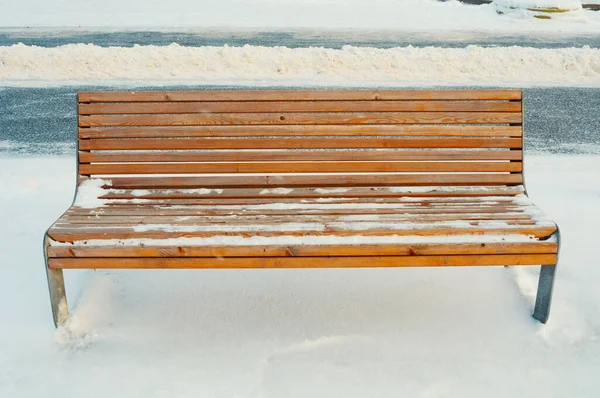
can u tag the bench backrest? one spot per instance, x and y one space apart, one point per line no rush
301 138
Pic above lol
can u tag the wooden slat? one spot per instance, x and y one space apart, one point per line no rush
404 215
302 118
300 130
444 193
298 95
364 202
298 143
73 219
300 167
419 249
304 262
358 195
240 227
167 210
317 180
297 106
277 156
75 234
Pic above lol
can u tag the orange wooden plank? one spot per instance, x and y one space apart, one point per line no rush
304 262
420 249
358 195
298 95
317 180
300 130
296 106
300 167
75 234
289 156
298 143
201 119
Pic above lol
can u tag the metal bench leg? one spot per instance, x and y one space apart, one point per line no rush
544 293
546 285
58 298
56 287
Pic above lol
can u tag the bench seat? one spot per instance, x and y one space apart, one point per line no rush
221 227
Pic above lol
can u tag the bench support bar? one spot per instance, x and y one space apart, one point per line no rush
544 293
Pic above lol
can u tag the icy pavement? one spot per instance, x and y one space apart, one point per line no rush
299 333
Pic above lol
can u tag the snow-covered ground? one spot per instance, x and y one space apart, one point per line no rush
299 333
22 65
413 15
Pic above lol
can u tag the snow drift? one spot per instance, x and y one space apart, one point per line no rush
174 64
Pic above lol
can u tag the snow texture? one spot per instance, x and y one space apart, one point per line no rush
400 15
174 64
89 193
413 332
277 191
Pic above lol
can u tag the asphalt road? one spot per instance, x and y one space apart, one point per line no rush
42 120
293 39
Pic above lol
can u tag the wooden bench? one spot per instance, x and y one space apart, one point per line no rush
277 179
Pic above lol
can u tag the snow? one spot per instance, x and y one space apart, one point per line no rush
278 191
89 193
225 240
256 65
543 4
429 332
230 228
331 190
140 192
402 15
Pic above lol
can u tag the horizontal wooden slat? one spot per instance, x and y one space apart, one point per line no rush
300 167
73 219
296 143
297 106
419 249
114 198
474 193
75 234
357 195
241 226
302 118
215 212
300 130
304 262
298 95
316 180
189 210
283 155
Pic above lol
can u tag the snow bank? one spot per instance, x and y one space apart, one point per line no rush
174 64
